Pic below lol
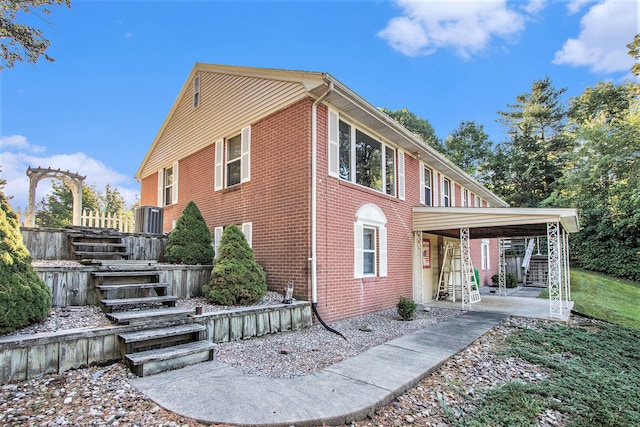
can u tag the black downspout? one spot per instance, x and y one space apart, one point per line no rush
314 306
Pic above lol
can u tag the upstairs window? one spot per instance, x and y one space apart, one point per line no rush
233 160
426 192
465 198
357 157
196 91
446 192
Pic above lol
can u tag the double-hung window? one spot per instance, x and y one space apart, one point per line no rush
368 251
446 192
370 242
168 185
426 192
465 198
485 254
233 160
357 157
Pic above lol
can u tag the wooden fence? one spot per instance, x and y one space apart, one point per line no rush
122 221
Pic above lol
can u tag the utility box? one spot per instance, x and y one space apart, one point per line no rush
149 220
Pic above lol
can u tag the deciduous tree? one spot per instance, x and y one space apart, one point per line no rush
469 147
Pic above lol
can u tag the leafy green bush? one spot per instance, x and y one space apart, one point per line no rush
406 308
236 279
24 297
510 280
190 242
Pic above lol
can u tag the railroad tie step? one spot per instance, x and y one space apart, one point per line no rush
154 361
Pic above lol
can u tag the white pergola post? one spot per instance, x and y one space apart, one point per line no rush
555 270
565 268
502 268
465 267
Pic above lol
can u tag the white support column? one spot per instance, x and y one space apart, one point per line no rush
465 267
418 293
502 268
565 268
555 270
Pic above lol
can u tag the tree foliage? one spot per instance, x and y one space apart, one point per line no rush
537 148
634 51
56 210
469 147
419 126
19 41
190 242
236 279
24 297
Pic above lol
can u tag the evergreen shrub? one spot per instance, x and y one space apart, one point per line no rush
24 297
236 278
190 242
510 280
406 308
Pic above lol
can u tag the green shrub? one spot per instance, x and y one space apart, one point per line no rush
190 242
510 280
236 279
24 297
406 308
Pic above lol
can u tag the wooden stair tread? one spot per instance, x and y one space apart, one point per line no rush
170 331
100 244
101 253
168 353
146 316
136 301
125 273
117 286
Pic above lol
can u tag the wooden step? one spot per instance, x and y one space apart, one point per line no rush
138 301
100 244
154 361
125 273
148 339
154 316
120 286
101 253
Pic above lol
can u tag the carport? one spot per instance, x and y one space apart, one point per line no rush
468 223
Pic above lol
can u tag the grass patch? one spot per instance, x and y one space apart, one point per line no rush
605 298
594 379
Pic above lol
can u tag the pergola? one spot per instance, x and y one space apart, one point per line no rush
484 223
73 180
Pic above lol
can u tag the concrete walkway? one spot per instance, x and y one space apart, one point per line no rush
213 392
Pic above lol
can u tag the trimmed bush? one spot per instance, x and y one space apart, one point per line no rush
406 308
190 242
236 279
24 297
510 280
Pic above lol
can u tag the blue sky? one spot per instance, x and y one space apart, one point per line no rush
120 65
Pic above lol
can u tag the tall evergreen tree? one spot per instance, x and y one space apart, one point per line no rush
190 242
538 147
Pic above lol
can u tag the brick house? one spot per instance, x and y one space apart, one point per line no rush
326 187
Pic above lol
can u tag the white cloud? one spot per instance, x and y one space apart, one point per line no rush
535 6
466 26
19 142
14 165
606 29
574 6
128 35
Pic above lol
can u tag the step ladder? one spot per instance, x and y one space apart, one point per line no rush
451 280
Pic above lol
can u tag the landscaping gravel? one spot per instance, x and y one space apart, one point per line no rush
98 396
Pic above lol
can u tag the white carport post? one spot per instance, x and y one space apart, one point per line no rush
555 270
502 268
418 293
565 268
465 267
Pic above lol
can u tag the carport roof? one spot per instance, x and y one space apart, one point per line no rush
492 222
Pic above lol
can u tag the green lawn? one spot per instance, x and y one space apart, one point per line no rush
606 298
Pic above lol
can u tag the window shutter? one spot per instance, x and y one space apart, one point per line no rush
217 235
334 144
435 183
401 175
174 187
422 200
358 257
247 230
245 159
219 163
382 260
160 200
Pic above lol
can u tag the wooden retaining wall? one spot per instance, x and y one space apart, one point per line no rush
33 356
74 285
53 243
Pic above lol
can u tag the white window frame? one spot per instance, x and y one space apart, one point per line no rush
228 162
478 202
465 198
370 216
220 172
196 91
401 174
334 154
446 192
247 230
371 250
163 186
424 172
486 254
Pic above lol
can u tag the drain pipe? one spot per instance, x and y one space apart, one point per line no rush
314 204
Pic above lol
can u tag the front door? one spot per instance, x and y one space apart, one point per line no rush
429 266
